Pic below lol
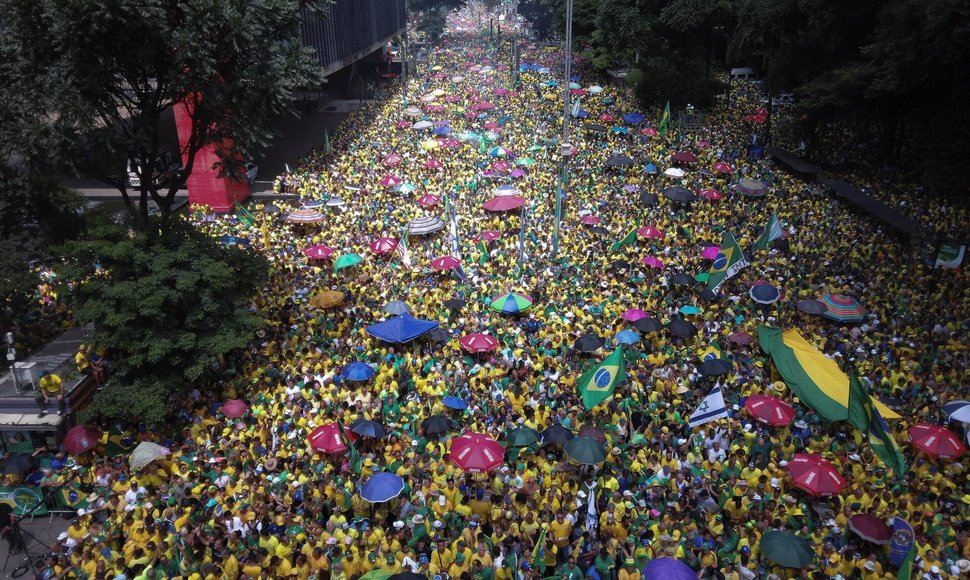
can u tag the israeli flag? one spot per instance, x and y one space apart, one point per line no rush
711 408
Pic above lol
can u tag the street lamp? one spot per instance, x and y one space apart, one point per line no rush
566 149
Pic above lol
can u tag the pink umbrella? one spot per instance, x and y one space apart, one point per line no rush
383 245
482 106
435 109
500 92
445 263
633 314
318 252
517 173
606 117
429 200
590 220
432 164
478 343
504 203
452 99
710 194
392 160
390 181
234 409
476 453
450 143
403 124
652 262
722 167
710 252
487 235
501 166
491 125
649 132
578 92
650 232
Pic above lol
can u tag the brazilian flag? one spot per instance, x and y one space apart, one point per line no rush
71 496
729 261
630 238
712 352
598 383
119 442
864 415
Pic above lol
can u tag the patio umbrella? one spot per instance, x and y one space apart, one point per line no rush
681 328
392 160
327 299
433 163
650 232
396 307
318 252
619 161
401 329
382 487
476 453
647 325
710 194
81 439
504 203
506 190
811 306
589 343
435 425
305 216
368 428
652 262
842 308
722 167
425 225
752 187
511 303
358 371
456 403
786 549
648 199
429 200
678 193
445 263
764 294
585 450
715 367
633 314
390 181
478 342
454 304
145 453
871 529
684 157
521 436
556 434
487 236
814 475
668 569
770 410
627 337
327 438
957 411
231 409
936 441
346 261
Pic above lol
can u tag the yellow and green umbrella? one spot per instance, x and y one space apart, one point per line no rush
511 303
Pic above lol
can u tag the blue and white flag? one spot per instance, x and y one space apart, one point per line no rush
711 408
902 539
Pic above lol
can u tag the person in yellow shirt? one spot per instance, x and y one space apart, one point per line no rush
50 387
629 571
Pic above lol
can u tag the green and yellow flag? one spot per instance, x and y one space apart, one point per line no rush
729 261
906 568
630 238
712 352
538 554
598 383
866 418
244 216
664 120
772 232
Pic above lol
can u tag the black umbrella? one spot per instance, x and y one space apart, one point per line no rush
647 198
620 265
367 428
600 230
715 367
19 464
619 161
704 171
454 304
681 328
270 209
407 576
811 306
647 325
586 451
764 294
436 424
679 193
589 343
708 294
556 435
439 335
681 279
596 128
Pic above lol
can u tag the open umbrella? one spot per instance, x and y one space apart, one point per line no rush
752 187
648 199
764 293
652 262
627 337
770 410
650 232
957 411
327 438
715 367
81 439
690 309
487 236
678 193
871 529
145 453
327 299
396 308
454 304
741 337
429 200
633 314
401 329
786 549
445 263
842 308
318 252
813 474
382 487
358 371
684 157
675 172
811 306
585 450
476 453
936 441
589 220
439 336
392 160
521 436
368 428
305 216
556 434
681 328
619 161
233 409
478 343
435 425
710 194
504 203
456 403
647 325
511 303
589 343
425 225
722 167
390 181
668 569
633 118
346 261
682 279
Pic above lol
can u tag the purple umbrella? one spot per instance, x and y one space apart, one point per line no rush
630 187
517 173
710 252
652 262
668 569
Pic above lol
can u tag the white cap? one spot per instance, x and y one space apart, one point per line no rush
935 569
399 525
438 524
774 482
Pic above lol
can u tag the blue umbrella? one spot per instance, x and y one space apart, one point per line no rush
627 337
455 403
552 83
633 118
442 131
396 307
582 114
668 569
651 169
620 130
957 411
358 371
764 294
400 329
382 487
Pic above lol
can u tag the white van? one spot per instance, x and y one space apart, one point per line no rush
743 73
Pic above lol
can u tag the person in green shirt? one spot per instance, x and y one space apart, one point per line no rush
604 563
570 571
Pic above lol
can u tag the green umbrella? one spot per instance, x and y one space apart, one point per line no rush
377 574
346 261
536 148
525 161
585 450
511 303
786 549
521 437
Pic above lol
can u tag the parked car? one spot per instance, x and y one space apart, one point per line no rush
165 168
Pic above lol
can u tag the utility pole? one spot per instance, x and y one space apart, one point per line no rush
564 146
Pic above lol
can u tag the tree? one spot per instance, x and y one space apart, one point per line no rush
91 81
429 15
169 302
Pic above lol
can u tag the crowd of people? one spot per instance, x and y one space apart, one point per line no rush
246 495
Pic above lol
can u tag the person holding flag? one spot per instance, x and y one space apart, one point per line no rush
710 409
598 383
772 232
664 121
729 261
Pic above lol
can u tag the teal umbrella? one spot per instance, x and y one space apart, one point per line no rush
521 437
525 161
585 450
346 261
690 310
786 549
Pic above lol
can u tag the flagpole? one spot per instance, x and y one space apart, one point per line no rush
561 191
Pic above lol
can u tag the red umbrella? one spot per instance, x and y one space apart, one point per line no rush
684 157
327 438
722 167
445 263
870 528
770 410
756 119
318 252
936 441
482 107
478 343
452 99
711 194
810 473
606 117
476 453
590 220
450 143
81 439
392 160
429 200
500 92
650 232
649 132
432 164
390 181
383 245
491 125
234 409
487 235
504 203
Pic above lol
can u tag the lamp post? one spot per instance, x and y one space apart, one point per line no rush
565 147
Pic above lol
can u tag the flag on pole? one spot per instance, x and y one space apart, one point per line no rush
355 461
326 140
483 249
402 249
630 238
729 261
906 568
864 416
575 110
664 121
710 409
244 216
598 383
539 553
522 242
772 232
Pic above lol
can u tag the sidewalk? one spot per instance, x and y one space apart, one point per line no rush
57 356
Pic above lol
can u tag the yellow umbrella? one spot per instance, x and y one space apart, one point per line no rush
438 92
430 145
327 299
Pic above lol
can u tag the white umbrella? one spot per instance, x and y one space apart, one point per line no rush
422 125
595 89
145 453
674 172
336 202
505 190
428 98
413 112
425 225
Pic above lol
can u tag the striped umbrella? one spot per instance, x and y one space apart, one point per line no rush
958 411
842 308
752 187
498 152
304 216
425 225
511 303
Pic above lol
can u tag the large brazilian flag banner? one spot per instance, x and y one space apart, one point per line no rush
24 499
